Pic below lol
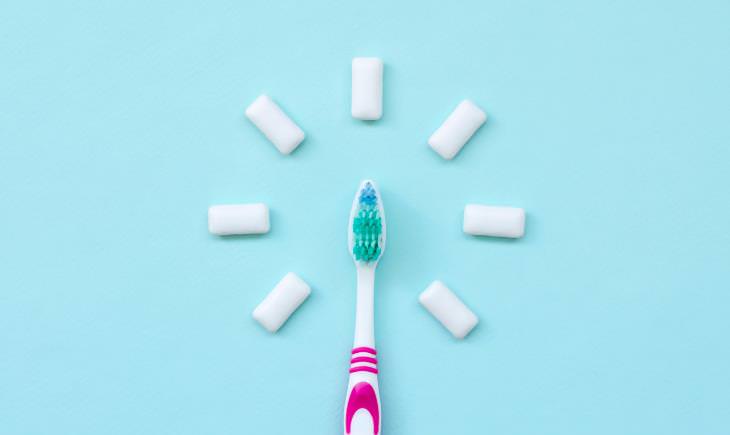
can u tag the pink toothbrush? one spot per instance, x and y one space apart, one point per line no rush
366 240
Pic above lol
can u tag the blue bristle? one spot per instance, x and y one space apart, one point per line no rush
368 195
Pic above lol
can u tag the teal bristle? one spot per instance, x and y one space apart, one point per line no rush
367 226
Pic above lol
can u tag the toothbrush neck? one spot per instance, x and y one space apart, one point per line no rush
364 315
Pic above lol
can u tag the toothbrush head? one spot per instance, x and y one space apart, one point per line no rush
366 234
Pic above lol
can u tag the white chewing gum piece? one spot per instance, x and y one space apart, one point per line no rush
486 220
232 219
458 128
281 302
281 131
367 88
448 309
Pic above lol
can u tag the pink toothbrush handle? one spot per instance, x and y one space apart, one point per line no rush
362 393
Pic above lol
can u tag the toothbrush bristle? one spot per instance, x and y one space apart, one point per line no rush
367 226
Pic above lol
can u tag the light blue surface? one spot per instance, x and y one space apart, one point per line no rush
120 123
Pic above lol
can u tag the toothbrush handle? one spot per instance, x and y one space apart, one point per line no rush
362 393
362 388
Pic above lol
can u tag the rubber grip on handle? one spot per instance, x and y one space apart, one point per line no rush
363 396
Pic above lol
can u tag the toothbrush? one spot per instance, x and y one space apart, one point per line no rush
366 241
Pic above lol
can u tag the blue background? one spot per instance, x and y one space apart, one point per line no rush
121 122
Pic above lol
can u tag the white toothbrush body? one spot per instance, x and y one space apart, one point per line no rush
362 403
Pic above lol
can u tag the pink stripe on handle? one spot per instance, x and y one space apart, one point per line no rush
364 369
364 349
366 359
